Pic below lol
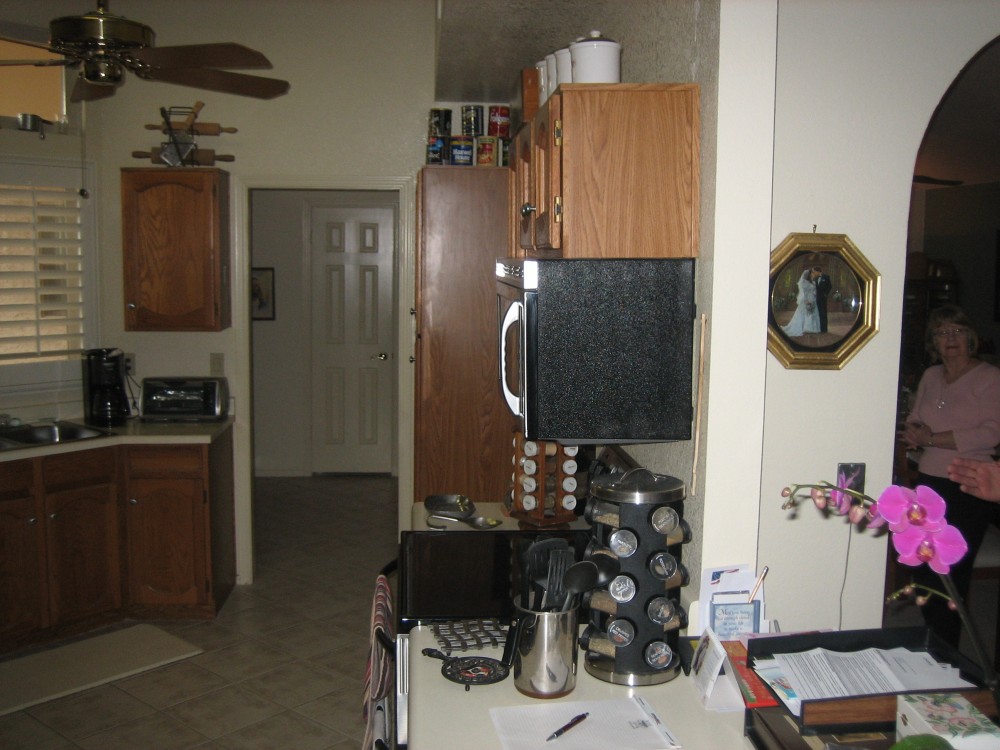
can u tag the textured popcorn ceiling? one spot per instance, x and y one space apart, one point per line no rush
482 46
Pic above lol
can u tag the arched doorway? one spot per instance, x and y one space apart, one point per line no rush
953 256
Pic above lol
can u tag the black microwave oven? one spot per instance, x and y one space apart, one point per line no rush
597 351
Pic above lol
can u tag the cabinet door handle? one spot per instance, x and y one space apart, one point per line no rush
381 355
527 209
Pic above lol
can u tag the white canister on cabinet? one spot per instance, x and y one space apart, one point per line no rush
564 66
596 59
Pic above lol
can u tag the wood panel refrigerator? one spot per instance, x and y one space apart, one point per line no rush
462 430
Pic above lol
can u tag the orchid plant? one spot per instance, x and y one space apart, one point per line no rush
920 534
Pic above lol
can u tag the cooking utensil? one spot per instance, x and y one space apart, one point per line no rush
536 570
608 566
559 561
202 157
450 506
469 670
476 522
579 577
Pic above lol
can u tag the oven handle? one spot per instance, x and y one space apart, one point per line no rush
513 315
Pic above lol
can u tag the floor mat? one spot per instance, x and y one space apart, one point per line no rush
39 677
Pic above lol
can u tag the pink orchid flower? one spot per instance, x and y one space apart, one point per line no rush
904 508
940 548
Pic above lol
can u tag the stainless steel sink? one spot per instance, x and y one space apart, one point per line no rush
24 436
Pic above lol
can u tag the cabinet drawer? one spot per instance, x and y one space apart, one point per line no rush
78 469
17 479
166 461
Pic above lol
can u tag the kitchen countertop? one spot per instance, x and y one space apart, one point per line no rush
418 520
443 716
133 432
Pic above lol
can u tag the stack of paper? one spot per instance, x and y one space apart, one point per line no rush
821 673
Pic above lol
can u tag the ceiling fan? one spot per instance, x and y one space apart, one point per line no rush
106 46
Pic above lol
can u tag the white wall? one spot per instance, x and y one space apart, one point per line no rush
856 84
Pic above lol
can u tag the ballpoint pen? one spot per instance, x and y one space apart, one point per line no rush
756 586
567 726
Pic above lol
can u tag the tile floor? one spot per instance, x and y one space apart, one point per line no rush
283 663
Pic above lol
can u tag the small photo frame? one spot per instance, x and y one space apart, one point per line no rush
262 293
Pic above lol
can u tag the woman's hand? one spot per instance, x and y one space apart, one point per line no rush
915 435
978 478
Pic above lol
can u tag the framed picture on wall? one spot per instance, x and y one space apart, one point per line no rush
824 300
262 293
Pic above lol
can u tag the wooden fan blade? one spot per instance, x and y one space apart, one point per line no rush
222 55
84 91
220 80
39 63
23 34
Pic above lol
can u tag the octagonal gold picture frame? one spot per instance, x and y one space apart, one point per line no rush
817 323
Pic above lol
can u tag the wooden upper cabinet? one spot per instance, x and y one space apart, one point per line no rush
615 170
175 243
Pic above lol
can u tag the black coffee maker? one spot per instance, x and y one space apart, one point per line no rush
105 403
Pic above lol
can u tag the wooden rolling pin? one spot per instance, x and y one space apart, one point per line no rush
202 157
198 128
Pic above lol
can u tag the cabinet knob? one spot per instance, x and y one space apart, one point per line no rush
133 501
413 311
130 305
413 359
527 209
32 521
381 355
52 516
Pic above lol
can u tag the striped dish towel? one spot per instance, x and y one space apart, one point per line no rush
379 670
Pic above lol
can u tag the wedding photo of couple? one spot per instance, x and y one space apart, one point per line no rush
815 306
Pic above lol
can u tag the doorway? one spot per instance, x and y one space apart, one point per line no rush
953 257
323 361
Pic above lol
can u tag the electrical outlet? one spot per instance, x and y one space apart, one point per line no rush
129 364
853 476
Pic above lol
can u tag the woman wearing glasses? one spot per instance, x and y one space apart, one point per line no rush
956 414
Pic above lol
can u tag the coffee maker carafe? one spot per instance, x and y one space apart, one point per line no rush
105 403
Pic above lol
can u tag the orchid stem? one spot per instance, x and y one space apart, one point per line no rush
989 673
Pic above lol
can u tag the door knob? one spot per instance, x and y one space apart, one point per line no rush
381 355
527 209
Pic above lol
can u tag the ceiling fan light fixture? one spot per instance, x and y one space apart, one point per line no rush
103 71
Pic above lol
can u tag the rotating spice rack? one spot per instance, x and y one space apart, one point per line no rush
543 482
632 635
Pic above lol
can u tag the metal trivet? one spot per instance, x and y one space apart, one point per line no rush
463 635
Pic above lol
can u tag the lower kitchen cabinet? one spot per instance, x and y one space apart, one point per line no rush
179 560
23 579
92 536
82 534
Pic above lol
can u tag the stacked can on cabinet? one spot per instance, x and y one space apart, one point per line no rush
483 140
637 525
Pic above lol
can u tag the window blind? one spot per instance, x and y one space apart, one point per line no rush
41 272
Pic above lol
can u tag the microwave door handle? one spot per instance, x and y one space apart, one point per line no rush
513 316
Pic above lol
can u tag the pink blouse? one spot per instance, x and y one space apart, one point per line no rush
969 408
